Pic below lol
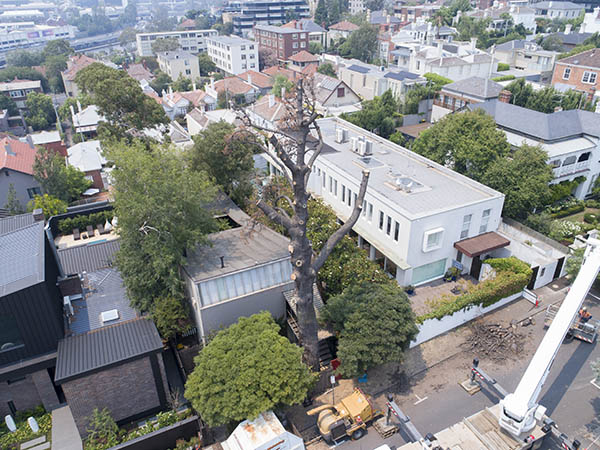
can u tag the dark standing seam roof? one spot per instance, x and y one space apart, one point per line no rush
12 223
104 347
359 69
402 75
89 257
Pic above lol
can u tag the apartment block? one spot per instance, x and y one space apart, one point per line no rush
193 41
246 14
232 54
283 42
179 64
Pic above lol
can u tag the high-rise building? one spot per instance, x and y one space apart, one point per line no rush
246 14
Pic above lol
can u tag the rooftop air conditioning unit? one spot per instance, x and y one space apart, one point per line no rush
68 306
364 147
368 148
354 141
341 135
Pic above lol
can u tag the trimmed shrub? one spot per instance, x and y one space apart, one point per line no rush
568 211
592 204
590 218
504 78
502 67
81 221
512 275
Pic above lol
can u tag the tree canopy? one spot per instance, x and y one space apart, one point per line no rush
362 43
327 69
279 83
56 178
226 155
375 322
40 111
162 208
376 115
119 99
523 178
467 142
50 206
547 99
24 73
207 65
8 103
165 45
245 370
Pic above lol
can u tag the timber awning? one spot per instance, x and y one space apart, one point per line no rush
483 243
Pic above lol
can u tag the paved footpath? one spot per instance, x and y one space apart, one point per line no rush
64 432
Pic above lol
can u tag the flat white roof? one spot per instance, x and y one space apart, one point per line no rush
434 188
44 137
20 84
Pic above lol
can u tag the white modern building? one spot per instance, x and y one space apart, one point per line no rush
178 64
232 54
24 35
416 213
558 10
591 22
193 41
357 6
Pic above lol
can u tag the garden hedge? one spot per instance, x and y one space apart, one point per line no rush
66 226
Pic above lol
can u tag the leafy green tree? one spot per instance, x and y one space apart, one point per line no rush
119 99
468 142
24 73
245 370
279 83
375 322
127 36
161 82
64 110
55 64
376 115
182 84
470 27
57 179
170 316
552 43
129 16
165 45
540 222
207 66
24 58
363 43
523 178
327 69
574 263
315 48
8 103
57 47
40 113
266 58
321 17
226 156
160 205
102 430
51 206
12 202
543 100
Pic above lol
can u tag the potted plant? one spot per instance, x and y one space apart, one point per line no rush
451 274
410 289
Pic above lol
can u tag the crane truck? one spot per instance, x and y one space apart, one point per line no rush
518 422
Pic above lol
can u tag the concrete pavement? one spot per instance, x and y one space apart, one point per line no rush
64 432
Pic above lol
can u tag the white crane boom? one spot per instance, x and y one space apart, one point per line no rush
520 409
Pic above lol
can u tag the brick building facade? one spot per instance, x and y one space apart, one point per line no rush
283 42
580 72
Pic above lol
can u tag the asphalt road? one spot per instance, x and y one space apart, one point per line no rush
571 400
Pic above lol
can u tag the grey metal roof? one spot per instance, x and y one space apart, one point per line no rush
274 29
106 292
21 258
441 189
242 248
572 38
105 347
557 5
378 17
12 223
359 69
311 26
476 87
547 127
402 75
88 257
511 45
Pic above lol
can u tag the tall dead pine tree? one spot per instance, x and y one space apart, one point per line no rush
297 139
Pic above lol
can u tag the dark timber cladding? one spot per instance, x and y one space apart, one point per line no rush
483 243
105 347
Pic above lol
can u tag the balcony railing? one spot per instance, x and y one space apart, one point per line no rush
571 168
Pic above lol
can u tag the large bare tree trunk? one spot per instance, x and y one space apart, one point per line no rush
290 143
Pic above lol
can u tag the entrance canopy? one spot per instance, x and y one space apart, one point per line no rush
483 243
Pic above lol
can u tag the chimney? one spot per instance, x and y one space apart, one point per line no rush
568 28
368 16
38 214
212 82
282 92
72 111
271 100
389 19
194 86
504 96
473 43
78 106
249 79
440 48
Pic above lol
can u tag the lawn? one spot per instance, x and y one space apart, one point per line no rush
579 216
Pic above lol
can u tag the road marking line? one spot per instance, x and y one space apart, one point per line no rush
419 399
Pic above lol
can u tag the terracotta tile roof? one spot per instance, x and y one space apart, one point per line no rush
233 85
16 155
260 80
196 97
187 24
291 24
478 245
139 72
155 96
75 64
591 58
198 116
344 25
271 114
273 71
304 56
310 70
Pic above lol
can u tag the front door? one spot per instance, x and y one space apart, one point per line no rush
559 267
534 275
475 267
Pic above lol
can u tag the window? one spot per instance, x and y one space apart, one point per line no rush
32 192
252 65
295 45
302 44
335 187
303 36
465 226
589 77
396 231
341 92
324 178
381 215
343 193
330 184
294 36
567 73
485 218
186 62
570 160
243 56
10 336
188 72
243 47
370 213
432 239
349 197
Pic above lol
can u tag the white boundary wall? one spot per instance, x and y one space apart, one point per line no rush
434 327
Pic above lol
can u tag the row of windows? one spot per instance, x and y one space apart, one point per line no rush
587 77
277 35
